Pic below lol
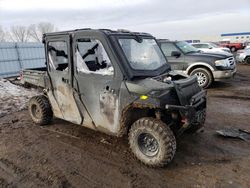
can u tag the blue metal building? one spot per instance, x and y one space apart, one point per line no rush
237 37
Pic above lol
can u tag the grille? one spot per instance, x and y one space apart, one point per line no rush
231 61
186 89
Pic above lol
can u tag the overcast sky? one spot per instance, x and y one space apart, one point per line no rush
175 19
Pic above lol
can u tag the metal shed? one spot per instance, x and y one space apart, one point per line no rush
15 57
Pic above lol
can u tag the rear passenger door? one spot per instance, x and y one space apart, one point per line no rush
176 63
60 91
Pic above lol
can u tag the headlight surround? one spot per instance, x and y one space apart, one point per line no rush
221 63
226 50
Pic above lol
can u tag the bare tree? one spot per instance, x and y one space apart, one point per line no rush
34 34
19 33
36 31
2 35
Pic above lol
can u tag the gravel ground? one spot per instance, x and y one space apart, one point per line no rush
66 155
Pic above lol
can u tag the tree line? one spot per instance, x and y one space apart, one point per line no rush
31 33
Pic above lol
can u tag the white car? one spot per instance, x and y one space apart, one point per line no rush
247 45
243 56
210 47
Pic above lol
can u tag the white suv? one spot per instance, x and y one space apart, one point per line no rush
243 56
210 47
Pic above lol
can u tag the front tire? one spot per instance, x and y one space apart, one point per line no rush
152 142
247 60
204 77
40 110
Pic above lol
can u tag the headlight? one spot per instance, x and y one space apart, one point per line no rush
221 63
227 50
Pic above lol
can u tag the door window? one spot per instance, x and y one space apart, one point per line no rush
58 55
168 48
200 45
91 57
205 46
197 45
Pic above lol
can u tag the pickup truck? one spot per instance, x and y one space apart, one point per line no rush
232 46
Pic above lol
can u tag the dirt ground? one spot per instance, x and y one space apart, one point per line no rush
66 155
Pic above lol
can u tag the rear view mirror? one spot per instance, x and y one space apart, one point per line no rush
138 39
91 51
176 54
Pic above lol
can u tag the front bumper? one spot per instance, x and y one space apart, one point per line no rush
224 74
194 112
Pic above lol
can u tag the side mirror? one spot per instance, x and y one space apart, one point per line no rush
210 48
176 54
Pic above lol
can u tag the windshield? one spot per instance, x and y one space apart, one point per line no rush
142 54
214 45
186 48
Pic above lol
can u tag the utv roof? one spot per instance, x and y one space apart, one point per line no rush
105 31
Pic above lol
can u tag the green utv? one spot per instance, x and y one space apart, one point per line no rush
119 83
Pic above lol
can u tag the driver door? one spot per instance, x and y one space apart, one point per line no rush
96 83
176 63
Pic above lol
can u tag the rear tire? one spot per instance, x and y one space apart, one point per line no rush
204 76
233 49
40 110
152 142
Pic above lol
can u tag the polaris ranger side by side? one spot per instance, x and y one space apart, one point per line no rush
119 83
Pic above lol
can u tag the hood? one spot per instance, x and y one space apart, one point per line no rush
144 86
215 55
220 52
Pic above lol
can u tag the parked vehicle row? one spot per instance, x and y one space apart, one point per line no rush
210 47
208 67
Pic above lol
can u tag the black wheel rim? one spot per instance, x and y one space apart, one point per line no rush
148 145
36 111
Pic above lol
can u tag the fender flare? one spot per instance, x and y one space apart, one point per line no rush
199 64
